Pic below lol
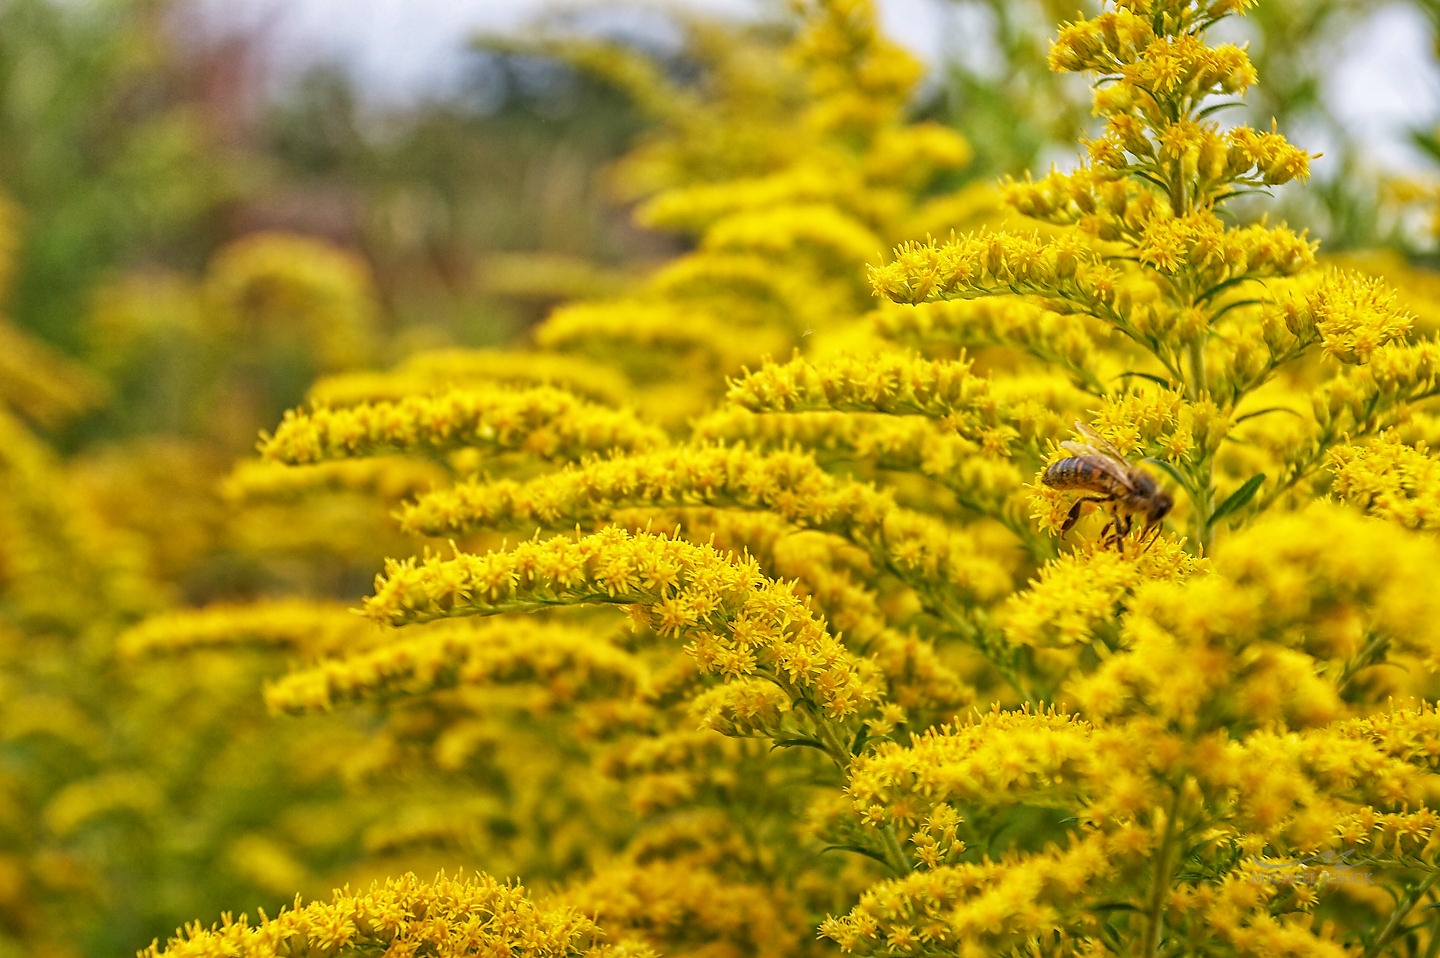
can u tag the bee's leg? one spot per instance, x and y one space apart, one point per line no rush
1074 514
1153 531
1121 524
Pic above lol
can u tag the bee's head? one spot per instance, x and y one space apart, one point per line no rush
1160 505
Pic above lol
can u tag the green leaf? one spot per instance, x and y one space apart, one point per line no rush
1223 197
859 850
1238 498
1427 141
1262 412
1151 178
1235 305
800 743
1219 288
1216 108
1150 376
861 737
1114 906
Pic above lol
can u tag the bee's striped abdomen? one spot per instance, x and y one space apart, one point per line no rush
1075 473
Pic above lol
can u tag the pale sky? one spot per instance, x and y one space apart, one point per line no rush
1385 81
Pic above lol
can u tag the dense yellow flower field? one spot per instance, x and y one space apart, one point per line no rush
1063 585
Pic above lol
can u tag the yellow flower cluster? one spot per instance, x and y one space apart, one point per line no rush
568 663
443 917
738 622
1059 340
86 801
789 484
903 384
37 381
311 628
63 565
992 761
1353 315
678 907
980 479
1390 479
441 370
292 285
388 478
977 909
652 338
1077 598
542 422
1141 248
988 263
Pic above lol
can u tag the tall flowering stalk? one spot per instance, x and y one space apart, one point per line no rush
1193 771
1144 247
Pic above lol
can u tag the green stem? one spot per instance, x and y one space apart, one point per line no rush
1205 508
835 748
1367 656
1160 883
899 861
1198 386
1397 917
1179 202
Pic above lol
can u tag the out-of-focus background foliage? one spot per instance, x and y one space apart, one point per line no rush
186 242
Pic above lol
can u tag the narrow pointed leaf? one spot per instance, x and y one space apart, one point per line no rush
1236 305
1262 412
1238 498
859 850
1212 110
1150 376
1219 288
799 743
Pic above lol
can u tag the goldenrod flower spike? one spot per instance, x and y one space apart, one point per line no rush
308 628
64 566
645 336
1137 244
444 916
990 412
992 760
987 263
1077 599
1053 338
925 551
542 422
566 660
1357 402
37 380
739 623
293 286
677 904
1390 479
896 384
388 478
818 231
446 369
695 209
981 475
979 909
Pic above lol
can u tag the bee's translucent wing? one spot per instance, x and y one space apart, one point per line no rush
1086 451
1099 443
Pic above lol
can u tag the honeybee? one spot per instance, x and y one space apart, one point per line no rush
1096 466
